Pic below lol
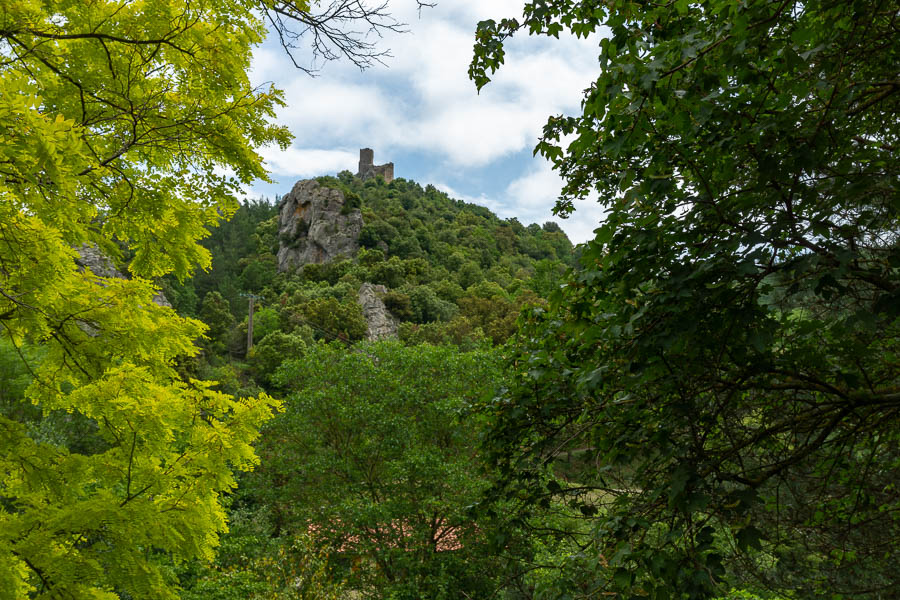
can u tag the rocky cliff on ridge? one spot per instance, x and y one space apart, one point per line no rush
316 224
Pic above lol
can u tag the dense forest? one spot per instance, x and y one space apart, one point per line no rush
701 402
455 272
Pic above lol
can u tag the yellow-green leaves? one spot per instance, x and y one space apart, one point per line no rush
117 120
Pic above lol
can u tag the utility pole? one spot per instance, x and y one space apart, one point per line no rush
252 299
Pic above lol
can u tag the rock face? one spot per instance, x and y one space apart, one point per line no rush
91 257
315 227
381 322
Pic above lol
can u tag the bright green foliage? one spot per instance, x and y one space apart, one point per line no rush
113 125
717 386
373 456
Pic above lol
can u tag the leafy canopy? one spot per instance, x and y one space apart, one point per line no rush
375 458
116 134
724 365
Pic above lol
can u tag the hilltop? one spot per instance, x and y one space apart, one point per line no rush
452 271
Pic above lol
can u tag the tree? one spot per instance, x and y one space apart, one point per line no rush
372 456
273 349
119 137
723 364
215 312
333 319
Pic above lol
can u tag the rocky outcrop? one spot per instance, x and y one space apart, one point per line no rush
381 322
316 225
91 257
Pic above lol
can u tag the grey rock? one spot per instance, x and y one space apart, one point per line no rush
91 257
312 226
381 322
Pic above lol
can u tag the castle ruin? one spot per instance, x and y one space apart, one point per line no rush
368 169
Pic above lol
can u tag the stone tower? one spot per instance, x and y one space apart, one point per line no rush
366 161
367 168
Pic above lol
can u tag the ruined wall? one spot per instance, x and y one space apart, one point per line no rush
367 167
386 171
366 160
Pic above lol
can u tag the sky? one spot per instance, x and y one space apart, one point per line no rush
421 112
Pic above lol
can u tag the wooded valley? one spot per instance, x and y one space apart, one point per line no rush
702 401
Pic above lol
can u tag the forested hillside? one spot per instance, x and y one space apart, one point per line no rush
455 272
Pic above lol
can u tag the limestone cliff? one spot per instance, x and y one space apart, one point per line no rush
316 224
381 322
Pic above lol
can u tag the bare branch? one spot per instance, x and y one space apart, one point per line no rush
346 29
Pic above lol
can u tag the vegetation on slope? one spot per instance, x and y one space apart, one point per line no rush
455 272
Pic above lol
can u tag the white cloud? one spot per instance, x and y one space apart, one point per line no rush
508 115
535 194
305 162
266 66
331 110
424 101
475 137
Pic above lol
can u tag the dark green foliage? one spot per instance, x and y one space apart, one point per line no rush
469 274
330 273
390 273
428 307
375 457
181 295
425 247
547 278
332 319
258 273
254 563
400 305
233 240
459 331
716 390
273 349
410 221
216 313
265 322
351 203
